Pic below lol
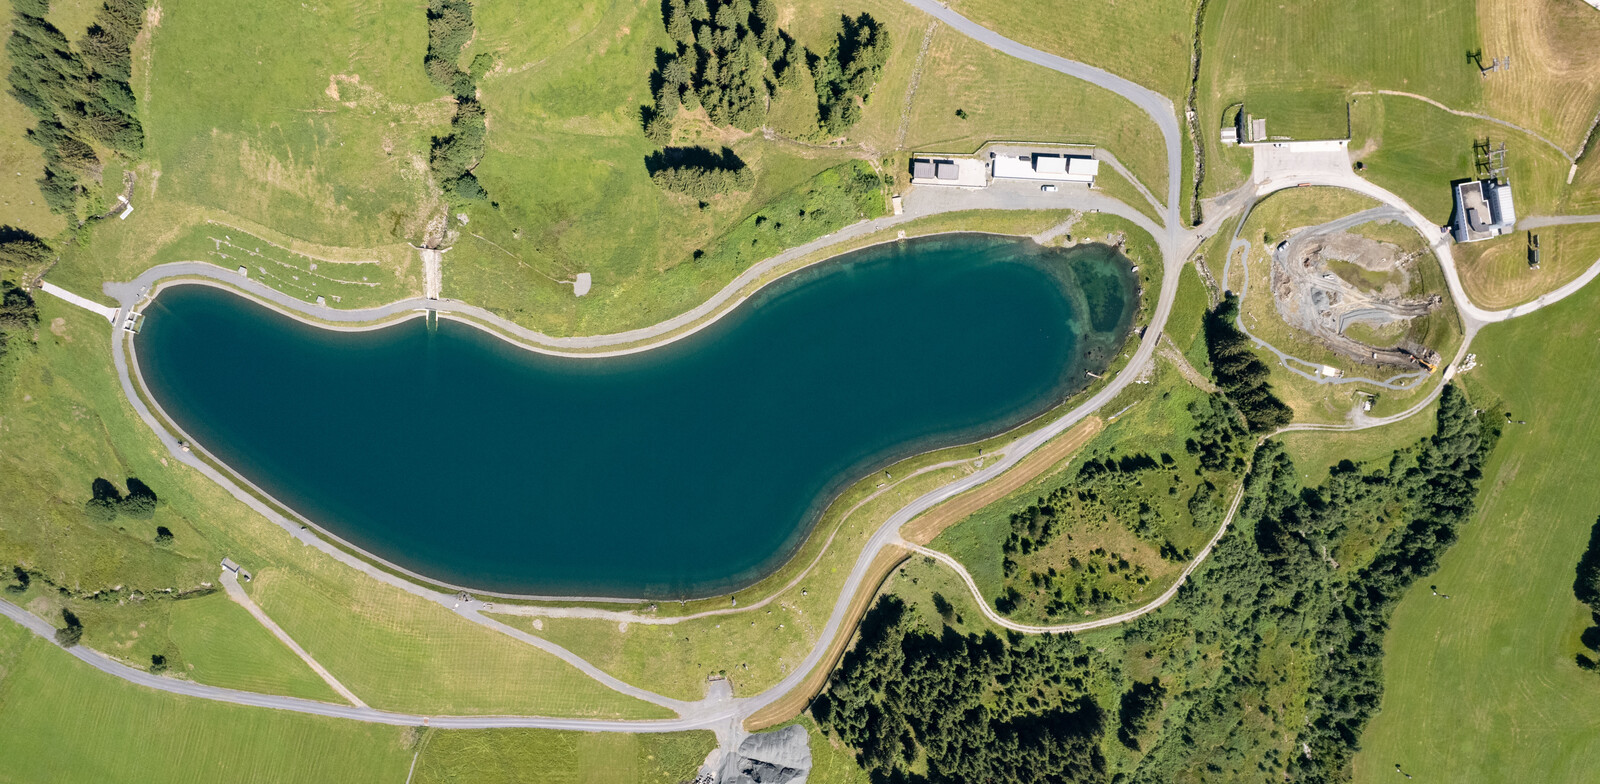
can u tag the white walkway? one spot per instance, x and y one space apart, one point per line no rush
110 313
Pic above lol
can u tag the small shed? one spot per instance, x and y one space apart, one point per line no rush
922 169
947 170
227 563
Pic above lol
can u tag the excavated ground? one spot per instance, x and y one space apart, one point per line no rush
1314 292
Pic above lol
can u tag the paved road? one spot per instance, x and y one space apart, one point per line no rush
718 713
1282 174
1149 101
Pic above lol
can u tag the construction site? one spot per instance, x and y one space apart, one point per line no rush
1358 296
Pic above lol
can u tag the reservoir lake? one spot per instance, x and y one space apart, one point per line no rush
690 469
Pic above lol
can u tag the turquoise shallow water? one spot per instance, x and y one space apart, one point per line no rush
685 470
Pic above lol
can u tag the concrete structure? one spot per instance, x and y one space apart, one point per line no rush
959 172
104 311
1046 167
1483 209
229 565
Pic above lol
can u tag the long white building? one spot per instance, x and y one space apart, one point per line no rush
1046 167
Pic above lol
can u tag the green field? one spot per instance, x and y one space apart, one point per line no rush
550 757
1147 42
400 652
222 644
1188 312
1000 96
68 723
1496 274
1416 150
1317 451
1296 64
343 277
310 119
21 164
1483 687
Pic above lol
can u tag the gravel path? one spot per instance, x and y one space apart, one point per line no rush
919 203
1474 115
1098 623
1541 221
230 583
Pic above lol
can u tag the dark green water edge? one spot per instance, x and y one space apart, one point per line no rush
687 470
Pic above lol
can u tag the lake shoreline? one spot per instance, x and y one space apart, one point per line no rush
784 565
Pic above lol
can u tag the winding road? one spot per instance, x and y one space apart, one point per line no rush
721 712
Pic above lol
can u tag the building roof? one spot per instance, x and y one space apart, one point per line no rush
1047 163
1483 209
959 172
1048 167
1505 212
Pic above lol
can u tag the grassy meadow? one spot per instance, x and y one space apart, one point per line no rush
1416 150
1483 687
313 119
67 722
21 163
1496 274
70 723
1148 42
1298 65
1315 452
1295 65
551 757
1000 96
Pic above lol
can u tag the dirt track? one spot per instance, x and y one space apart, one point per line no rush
926 528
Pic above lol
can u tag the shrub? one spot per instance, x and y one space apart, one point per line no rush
453 157
140 503
22 254
69 635
699 172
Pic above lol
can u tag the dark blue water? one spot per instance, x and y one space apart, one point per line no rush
685 470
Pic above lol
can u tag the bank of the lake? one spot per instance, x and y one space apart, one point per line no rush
688 469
